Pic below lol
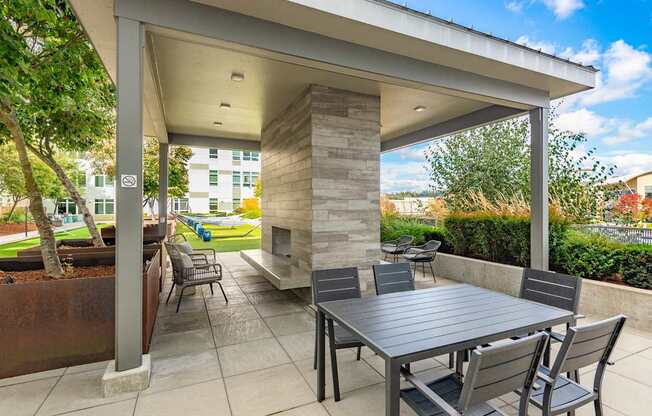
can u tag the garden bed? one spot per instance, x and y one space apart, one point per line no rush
8 229
54 323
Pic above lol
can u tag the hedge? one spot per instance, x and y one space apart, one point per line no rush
506 239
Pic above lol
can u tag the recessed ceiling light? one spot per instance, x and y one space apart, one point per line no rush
225 106
217 123
419 108
237 76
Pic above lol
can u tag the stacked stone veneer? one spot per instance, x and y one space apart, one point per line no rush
321 178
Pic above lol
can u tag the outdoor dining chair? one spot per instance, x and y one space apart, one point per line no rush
397 277
423 254
492 372
329 285
396 247
583 346
198 255
187 273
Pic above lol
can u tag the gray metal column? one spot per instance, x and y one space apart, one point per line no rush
163 186
539 188
129 197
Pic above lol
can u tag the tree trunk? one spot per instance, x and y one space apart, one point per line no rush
51 262
74 195
13 208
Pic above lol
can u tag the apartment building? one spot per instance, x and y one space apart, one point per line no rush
219 180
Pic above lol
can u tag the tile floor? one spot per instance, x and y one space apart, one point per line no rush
254 357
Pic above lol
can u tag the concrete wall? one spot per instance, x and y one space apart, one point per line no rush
321 178
597 298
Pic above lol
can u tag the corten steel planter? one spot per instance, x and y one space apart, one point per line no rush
52 324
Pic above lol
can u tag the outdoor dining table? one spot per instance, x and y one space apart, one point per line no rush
410 326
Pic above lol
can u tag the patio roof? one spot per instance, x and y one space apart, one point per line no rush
462 77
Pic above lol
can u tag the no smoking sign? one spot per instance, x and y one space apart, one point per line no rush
128 181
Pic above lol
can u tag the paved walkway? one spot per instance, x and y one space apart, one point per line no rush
254 357
12 238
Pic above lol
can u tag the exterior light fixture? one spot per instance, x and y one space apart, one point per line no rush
237 76
225 106
217 123
419 108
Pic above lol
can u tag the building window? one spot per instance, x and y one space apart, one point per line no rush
103 181
212 153
181 204
212 177
254 178
236 203
648 191
104 206
236 155
213 205
246 179
246 155
66 206
255 156
236 178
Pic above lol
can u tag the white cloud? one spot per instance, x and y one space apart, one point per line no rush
629 131
564 8
629 163
407 176
589 54
413 153
515 6
584 121
543 46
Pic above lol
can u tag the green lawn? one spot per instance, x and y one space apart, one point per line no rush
224 238
10 249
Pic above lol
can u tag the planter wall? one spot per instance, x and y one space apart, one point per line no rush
597 298
53 324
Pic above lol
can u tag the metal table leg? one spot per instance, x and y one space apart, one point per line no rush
392 388
321 356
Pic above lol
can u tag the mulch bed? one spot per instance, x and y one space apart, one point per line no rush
70 273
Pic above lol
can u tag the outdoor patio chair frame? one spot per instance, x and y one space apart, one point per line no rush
199 255
583 346
492 372
397 277
329 285
397 246
198 274
425 253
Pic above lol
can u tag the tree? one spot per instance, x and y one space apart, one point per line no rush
494 161
627 209
12 182
103 161
51 86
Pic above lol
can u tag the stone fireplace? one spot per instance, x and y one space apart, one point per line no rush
321 181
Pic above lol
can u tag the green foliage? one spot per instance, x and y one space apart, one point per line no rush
494 161
177 170
393 226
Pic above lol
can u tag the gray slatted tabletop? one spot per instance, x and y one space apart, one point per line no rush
410 326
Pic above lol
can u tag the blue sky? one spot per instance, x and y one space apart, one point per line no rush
612 35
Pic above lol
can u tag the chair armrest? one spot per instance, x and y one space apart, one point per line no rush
545 378
579 316
199 257
209 250
556 337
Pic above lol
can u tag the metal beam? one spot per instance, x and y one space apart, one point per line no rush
455 125
129 197
163 187
539 189
212 142
319 51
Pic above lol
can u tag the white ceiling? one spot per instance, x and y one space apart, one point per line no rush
195 78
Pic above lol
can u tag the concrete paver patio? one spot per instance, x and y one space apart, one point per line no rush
254 357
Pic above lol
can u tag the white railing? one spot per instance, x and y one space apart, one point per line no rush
622 234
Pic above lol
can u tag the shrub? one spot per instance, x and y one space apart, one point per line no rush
393 226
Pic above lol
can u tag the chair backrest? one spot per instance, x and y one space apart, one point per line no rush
552 289
393 277
404 240
588 344
177 262
431 245
335 284
498 370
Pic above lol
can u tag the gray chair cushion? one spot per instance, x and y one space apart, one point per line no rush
186 261
184 247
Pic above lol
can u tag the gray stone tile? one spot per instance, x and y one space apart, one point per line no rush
218 302
629 397
99 365
32 377
181 322
635 367
268 391
646 353
197 400
231 314
123 408
24 399
312 409
183 370
179 343
78 391
251 356
291 323
278 308
276 296
365 401
257 287
188 305
299 346
352 374
240 331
